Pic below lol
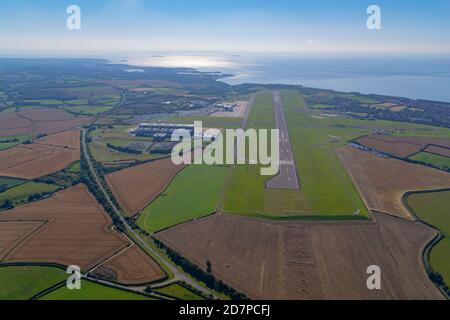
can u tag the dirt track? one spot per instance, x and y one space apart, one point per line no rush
309 260
137 186
382 182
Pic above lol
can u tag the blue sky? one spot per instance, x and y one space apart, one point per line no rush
232 26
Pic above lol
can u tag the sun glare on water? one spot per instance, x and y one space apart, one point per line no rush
185 61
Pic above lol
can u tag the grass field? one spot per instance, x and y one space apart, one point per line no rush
193 193
431 158
10 182
118 136
102 153
77 102
105 121
180 292
74 168
433 207
92 291
45 102
327 190
321 106
9 142
22 283
88 110
208 122
21 192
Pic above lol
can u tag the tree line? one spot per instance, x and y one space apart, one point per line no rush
200 275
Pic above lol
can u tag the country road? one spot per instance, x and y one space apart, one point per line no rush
162 259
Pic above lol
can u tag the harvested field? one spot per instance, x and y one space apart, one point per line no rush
382 182
11 124
38 121
130 267
76 231
438 150
13 232
50 127
137 186
69 139
401 146
44 114
47 155
309 260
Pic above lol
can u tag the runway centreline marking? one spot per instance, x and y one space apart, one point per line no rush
287 175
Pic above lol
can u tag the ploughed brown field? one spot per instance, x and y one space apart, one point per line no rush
68 139
13 232
46 155
382 182
137 186
400 146
309 260
38 121
75 231
132 266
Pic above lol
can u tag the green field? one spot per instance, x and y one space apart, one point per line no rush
92 291
433 159
332 193
180 292
45 102
102 153
118 136
74 168
20 193
10 182
246 192
88 110
193 193
105 121
77 102
433 207
321 106
208 122
9 142
22 283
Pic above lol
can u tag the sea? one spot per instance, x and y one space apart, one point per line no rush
412 76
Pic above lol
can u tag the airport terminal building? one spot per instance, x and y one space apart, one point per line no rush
160 131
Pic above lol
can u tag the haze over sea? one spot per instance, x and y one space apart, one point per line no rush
416 77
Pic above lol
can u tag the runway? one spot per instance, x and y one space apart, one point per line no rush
287 175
